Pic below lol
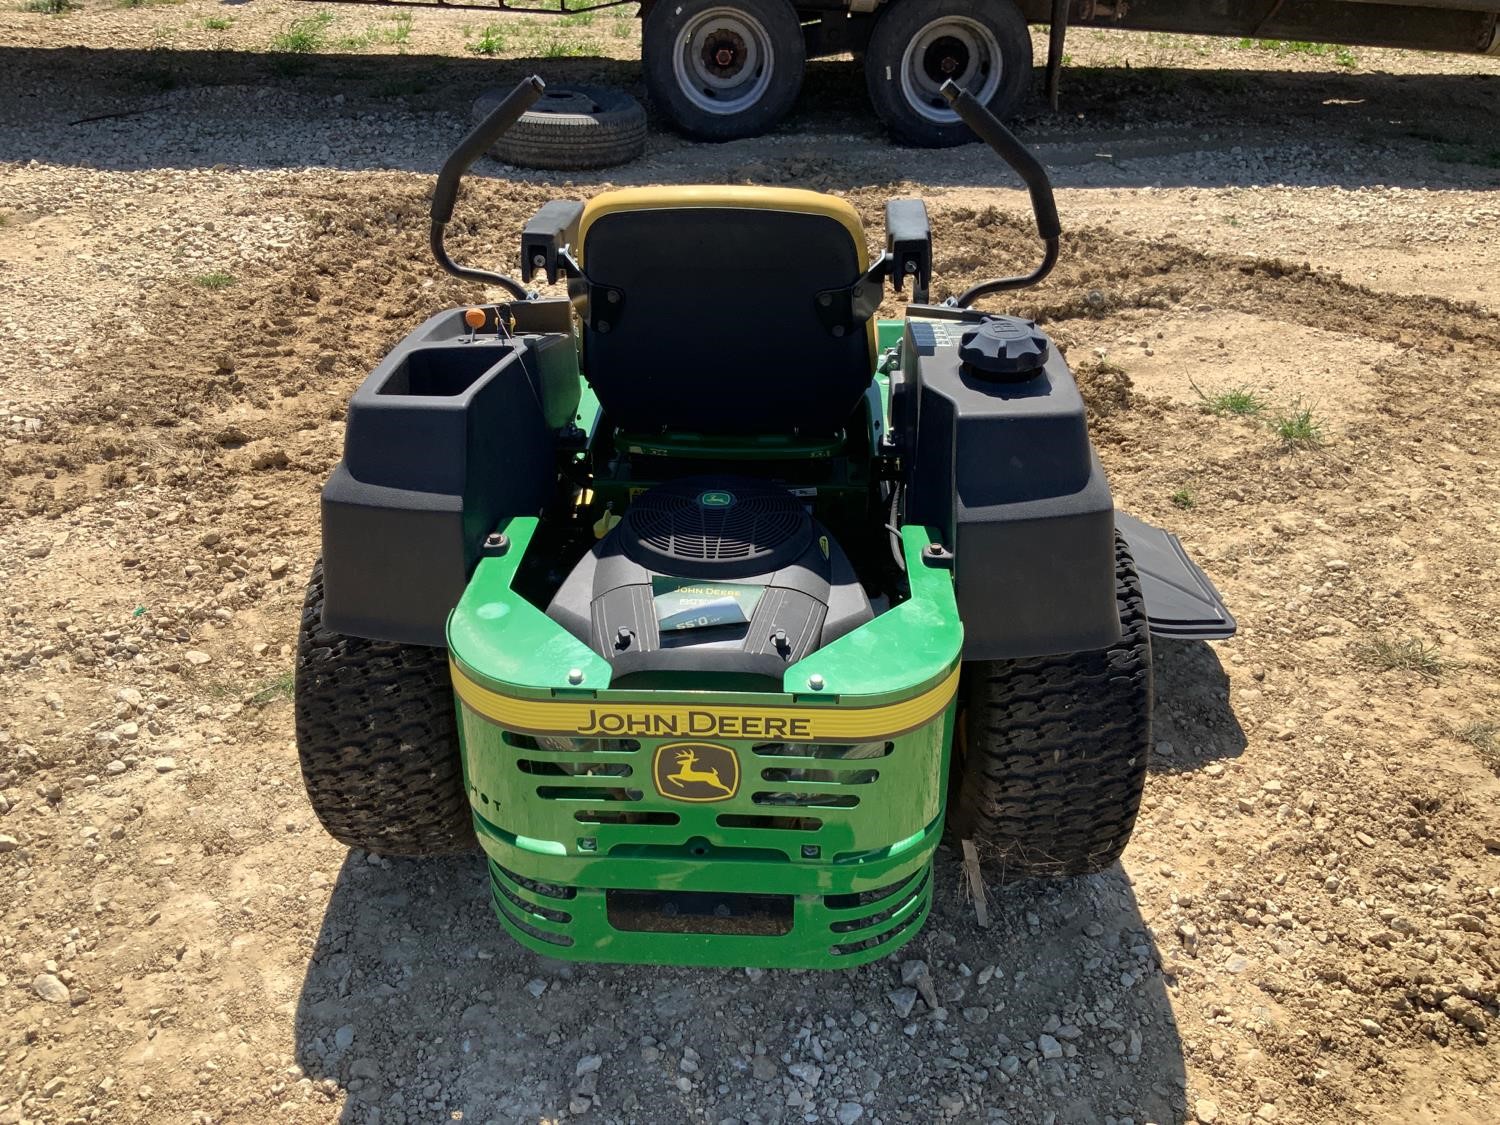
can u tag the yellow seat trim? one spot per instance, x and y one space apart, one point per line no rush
711 196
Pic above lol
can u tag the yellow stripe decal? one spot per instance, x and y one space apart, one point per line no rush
604 719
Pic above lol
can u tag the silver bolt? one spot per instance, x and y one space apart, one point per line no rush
575 676
539 260
815 682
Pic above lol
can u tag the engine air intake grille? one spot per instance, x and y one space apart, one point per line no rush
717 520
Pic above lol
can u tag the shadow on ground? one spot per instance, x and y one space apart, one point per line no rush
160 108
416 1006
1193 722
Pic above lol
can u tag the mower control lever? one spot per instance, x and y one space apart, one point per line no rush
988 128
445 195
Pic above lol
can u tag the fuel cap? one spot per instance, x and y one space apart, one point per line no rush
1004 348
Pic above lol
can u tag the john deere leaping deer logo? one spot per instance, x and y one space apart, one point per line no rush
696 771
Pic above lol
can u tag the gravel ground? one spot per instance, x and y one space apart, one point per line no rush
202 251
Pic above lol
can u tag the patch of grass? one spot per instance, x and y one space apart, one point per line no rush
558 49
1239 401
396 35
218 23
50 7
1298 428
304 36
491 41
1184 498
145 3
1484 737
274 690
1404 654
1345 58
1290 47
576 19
214 280
623 27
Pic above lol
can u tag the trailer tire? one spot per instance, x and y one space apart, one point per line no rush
983 44
570 128
378 741
1051 752
757 82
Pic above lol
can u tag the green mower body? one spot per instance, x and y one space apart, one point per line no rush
707 604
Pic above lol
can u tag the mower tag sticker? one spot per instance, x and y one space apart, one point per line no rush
695 771
635 718
684 604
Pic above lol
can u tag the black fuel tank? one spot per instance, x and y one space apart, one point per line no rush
991 428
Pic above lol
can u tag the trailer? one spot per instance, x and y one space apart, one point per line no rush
718 70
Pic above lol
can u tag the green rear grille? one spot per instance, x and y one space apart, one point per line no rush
821 857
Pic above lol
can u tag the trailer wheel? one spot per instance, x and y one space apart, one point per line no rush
569 128
378 741
722 69
983 45
1051 753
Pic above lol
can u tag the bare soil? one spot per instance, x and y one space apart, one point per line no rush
1306 927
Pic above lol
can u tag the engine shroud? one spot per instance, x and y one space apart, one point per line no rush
712 575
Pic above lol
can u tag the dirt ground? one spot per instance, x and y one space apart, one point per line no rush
203 248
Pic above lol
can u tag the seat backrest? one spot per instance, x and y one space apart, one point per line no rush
708 297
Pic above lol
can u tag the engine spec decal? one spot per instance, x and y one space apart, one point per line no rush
603 719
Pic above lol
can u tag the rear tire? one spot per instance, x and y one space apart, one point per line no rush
1052 751
981 44
763 56
378 741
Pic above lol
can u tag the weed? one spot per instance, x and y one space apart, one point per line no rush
491 41
1484 737
304 36
144 3
215 280
396 35
50 7
1184 498
1345 58
1297 428
1240 401
623 27
277 688
1408 654
218 23
562 50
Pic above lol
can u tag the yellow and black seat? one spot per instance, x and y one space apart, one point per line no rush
721 310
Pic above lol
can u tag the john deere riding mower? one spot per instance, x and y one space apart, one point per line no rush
707 603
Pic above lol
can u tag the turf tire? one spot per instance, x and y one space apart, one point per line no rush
899 25
667 19
1052 752
378 741
571 128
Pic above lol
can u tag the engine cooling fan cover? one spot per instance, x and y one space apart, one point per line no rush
715 525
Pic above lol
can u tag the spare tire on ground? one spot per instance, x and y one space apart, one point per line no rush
570 127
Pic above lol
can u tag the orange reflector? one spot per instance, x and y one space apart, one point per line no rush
474 318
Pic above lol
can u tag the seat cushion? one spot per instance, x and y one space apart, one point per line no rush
717 331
